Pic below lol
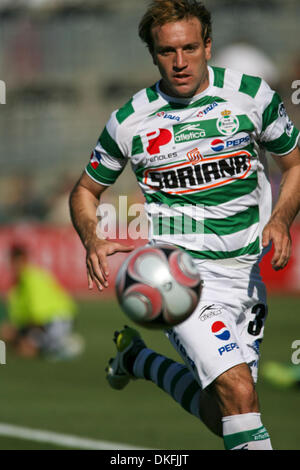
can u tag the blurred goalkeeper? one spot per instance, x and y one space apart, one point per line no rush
40 312
199 136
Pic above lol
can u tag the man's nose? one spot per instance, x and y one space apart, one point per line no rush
180 60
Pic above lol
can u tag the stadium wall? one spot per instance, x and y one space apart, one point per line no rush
60 251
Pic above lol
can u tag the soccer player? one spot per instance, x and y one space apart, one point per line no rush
197 138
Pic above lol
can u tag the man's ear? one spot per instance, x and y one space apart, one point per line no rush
208 45
153 57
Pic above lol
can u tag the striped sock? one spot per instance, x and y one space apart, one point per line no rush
245 432
172 377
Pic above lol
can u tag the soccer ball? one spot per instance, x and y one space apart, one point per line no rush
158 286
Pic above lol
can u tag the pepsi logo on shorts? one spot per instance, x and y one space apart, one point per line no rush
219 329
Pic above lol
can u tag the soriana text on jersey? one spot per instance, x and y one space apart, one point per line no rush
206 174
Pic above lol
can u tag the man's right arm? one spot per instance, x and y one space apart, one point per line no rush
84 200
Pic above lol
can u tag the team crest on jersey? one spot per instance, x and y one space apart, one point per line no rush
228 124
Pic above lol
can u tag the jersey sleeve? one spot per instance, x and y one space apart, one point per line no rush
278 133
109 157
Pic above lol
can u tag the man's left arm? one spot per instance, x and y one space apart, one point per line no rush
277 229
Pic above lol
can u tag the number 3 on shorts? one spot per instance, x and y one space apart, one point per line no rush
255 325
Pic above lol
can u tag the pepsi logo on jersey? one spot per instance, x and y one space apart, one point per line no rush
217 145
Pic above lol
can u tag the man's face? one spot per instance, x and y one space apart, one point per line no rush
181 57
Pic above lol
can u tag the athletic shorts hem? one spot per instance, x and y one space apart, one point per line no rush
209 380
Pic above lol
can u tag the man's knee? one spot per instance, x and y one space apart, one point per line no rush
235 391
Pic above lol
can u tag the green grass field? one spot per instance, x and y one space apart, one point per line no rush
74 398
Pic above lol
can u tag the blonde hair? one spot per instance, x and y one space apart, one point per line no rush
161 12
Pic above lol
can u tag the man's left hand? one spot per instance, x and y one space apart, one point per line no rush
278 233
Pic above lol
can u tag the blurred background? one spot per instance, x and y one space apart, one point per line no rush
66 65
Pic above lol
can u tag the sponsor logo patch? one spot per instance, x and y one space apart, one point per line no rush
219 329
210 311
227 348
199 175
289 128
187 132
194 156
282 110
95 159
207 109
159 158
165 115
217 145
158 139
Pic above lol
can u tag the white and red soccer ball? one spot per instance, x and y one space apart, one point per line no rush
158 286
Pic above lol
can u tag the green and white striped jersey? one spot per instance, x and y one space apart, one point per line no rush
201 162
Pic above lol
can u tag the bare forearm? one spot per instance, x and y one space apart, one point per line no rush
277 229
83 207
288 204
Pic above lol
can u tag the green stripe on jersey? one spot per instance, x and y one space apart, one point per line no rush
270 114
212 197
125 111
234 223
137 145
283 144
103 174
250 85
209 126
152 94
219 74
251 249
202 102
110 145
183 224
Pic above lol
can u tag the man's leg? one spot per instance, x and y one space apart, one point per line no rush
180 383
237 398
134 360
229 406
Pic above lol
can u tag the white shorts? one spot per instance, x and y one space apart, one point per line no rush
227 326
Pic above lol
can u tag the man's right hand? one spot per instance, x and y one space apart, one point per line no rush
84 201
96 261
